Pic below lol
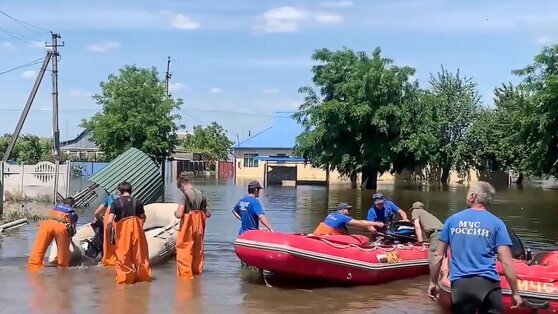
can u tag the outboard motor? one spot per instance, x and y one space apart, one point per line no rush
402 231
94 247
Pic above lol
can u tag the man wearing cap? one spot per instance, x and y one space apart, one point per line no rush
250 211
426 226
383 210
336 223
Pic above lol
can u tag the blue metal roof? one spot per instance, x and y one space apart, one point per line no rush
281 135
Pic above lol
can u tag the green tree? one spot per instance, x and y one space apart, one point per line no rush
539 125
28 149
136 112
457 104
211 142
353 124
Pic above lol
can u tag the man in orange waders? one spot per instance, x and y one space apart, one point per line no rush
127 216
193 211
60 226
336 223
109 255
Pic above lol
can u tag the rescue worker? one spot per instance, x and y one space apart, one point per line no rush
384 211
250 210
109 255
427 226
336 223
60 225
193 212
127 216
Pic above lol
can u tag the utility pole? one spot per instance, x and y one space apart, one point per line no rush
23 117
168 76
55 129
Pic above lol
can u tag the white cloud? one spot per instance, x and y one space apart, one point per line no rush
173 87
291 19
215 90
104 46
45 109
180 21
543 40
336 4
29 74
328 18
80 93
7 44
270 91
281 20
39 44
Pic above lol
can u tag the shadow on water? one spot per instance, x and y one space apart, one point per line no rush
530 212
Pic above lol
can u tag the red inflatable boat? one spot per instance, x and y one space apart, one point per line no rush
538 285
342 259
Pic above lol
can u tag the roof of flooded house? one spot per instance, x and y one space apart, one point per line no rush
280 135
83 141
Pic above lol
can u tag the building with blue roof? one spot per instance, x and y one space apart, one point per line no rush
268 157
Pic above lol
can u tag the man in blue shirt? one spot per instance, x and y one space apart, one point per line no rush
383 210
250 211
475 236
336 223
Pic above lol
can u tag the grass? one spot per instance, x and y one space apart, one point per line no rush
18 196
16 215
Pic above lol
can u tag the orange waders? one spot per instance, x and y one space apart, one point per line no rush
324 229
109 255
189 244
132 254
54 227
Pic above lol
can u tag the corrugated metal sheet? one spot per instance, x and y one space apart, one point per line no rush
137 168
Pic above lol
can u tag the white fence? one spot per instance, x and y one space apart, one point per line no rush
34 181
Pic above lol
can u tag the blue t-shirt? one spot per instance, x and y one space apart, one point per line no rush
384 215
474 237
67 210
248 208
337 220
109 200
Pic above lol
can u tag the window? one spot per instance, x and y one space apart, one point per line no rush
250 161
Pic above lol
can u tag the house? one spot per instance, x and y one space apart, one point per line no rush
82 146
268 157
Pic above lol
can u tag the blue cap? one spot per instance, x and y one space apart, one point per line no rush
378 198
343 206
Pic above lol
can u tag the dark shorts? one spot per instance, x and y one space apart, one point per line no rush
469 295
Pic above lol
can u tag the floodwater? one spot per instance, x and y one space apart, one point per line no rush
530 212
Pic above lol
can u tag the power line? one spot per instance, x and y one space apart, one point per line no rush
30 27
22 66
183 111
15 36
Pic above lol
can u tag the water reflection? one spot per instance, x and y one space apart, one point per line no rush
530 212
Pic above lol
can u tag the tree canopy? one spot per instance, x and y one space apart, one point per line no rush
366 115
135 112
211 141
29 149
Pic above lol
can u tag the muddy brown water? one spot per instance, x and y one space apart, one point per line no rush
530 212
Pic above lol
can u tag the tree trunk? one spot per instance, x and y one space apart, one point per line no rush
445 175
519 180
354 178
371 173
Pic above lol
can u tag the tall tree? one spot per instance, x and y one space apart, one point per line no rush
539 126
211 142
29 150
457 104
136 112
352 124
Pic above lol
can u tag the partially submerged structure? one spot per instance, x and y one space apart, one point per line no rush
132 166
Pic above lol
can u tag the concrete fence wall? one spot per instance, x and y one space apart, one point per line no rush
33 181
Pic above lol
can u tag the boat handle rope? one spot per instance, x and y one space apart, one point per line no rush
422 248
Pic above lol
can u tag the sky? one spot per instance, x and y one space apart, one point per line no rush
237 62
